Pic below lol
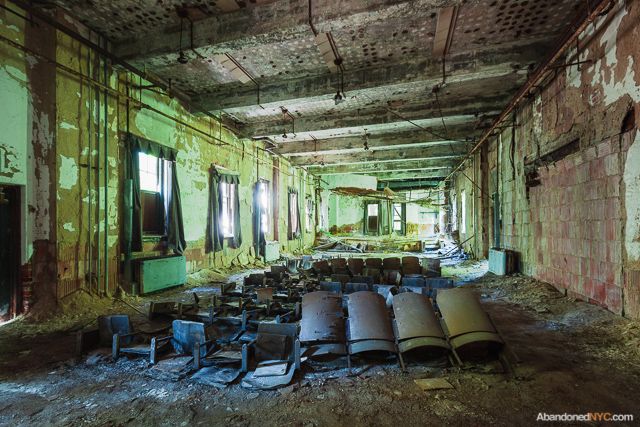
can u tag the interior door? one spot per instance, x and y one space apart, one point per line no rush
9 251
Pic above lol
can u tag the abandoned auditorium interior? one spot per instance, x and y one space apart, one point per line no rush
319 212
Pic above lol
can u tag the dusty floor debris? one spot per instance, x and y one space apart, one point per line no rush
567 348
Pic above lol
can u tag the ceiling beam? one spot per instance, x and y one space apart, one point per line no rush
276 22
454 111
441 151
365 168
426 73
408 185
375 141
403 176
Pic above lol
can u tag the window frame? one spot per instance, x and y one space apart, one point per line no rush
463 209
368 215
159 192
401 218
294 220
309 223
265 205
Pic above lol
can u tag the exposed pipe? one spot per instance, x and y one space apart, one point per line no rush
106 174
139 103
97 98
90 175
537 76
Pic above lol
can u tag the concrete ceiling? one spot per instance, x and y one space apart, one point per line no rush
389 70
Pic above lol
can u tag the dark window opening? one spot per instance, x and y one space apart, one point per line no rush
372 218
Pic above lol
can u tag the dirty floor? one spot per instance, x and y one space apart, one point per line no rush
574 357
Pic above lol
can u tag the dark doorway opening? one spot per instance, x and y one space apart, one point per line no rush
10 251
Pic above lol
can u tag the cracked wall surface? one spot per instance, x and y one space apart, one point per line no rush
53 146
572 214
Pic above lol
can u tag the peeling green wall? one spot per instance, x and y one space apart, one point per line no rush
77 211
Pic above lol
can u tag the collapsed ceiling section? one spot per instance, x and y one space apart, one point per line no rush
377 87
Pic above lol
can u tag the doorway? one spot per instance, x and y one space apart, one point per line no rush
9 252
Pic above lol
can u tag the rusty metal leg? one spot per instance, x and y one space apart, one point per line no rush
403 367
153 351
457 357
196 355
245 358
115 347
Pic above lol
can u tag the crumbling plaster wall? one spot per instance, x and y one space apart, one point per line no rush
51 117
463 184
572 217
421 219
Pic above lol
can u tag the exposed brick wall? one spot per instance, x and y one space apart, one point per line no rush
571 217
576 223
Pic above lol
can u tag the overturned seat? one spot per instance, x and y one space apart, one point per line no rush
118 330
468 327
275 353
417 327
322 327
369 328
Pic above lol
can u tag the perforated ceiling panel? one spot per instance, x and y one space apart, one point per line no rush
123 19
507 21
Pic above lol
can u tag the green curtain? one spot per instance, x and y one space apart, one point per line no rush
174 222
214 239
383 217
175 226
133 174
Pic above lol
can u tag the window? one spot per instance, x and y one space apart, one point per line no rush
153 184
227 213
398 217
294 220
454 213
309 211
263 190
149 173
372 218
463 212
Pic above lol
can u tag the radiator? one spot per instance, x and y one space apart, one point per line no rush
502 261
156 274
272 251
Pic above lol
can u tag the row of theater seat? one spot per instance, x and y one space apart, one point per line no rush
375 267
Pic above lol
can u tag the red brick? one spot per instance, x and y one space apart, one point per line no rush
613 299
599 292
597 169
604 148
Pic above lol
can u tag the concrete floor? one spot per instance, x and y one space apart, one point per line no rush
575 358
